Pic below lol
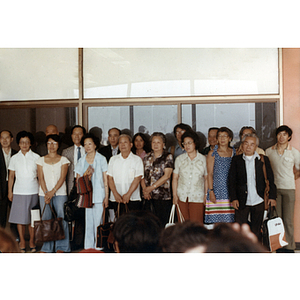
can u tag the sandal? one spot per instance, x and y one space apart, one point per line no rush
23 250
33 249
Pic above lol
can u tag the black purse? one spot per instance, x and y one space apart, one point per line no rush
71 211
103 231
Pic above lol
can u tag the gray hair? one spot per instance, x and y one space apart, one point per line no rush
125 135
253 135
159 134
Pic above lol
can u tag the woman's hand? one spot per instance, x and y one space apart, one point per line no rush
10 196
126 198
212 197
175 199
48 196
235 204
105 202
146 194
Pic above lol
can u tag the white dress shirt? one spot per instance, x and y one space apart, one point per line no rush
252 197
124 171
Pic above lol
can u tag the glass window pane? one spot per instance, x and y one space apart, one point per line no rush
107 117
30 74
261 116
115 73
149 119
146 119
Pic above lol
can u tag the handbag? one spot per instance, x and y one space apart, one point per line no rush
71 211
267 188
273 231
49 230
111 238
172 216
35 214
85 191
103 231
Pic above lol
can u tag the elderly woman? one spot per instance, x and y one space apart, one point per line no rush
141 145
158 165
218 207
284 160
190 179
94 165
52 171
23 188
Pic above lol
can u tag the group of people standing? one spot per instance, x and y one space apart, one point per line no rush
213 185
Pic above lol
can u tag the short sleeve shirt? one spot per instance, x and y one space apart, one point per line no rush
191 177
124 171
154 170
52 173
283 165
25 169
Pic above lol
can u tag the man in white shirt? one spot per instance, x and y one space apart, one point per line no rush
125 172
6 152
73 154
246 185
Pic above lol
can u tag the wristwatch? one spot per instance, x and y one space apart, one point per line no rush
210 190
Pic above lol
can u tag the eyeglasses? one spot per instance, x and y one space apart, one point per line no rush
223 136
187 143
52 143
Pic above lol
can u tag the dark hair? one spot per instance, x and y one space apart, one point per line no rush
246 127
95 139
182 237
285 128
78 126
225 129
147 146
194 136
115 128
183 126
213 128
224 239
137 232
11 135
23 134
54 137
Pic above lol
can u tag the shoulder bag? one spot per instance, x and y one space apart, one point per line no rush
48 230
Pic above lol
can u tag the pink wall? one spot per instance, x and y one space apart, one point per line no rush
291 112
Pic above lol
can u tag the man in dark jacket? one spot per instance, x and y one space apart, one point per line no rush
246 184
6 152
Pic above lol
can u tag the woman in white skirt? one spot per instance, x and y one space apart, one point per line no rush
23 187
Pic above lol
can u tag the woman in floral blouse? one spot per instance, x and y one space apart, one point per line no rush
190 179
156 184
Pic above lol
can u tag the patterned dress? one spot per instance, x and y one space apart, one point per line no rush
221 211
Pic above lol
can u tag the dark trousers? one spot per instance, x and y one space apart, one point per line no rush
132 206
162 210
3 212
256 218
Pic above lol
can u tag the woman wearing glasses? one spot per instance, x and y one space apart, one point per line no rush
218 207
23 187
52 171
190 179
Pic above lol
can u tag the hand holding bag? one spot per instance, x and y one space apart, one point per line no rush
267 188
48 230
